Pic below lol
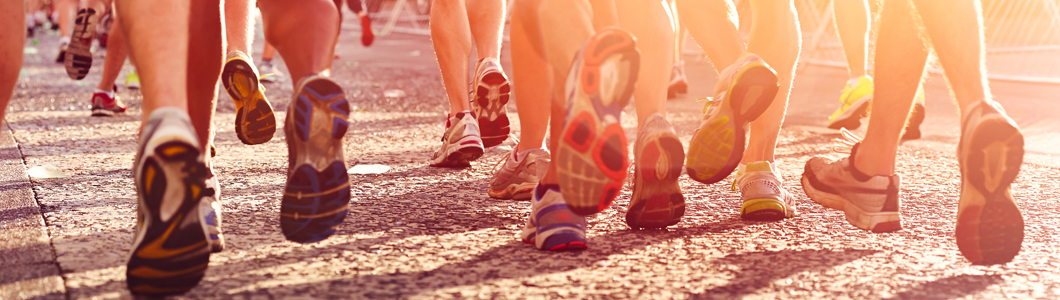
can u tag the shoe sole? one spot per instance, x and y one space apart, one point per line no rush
255 119
102 112
466 150
316 196
522 191
989 224
877 222
657 201
912 129
78 54
172 256
851 119
717 148
490 98
558 237
592 156
763 210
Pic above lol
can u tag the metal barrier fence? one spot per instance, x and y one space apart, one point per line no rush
1022 36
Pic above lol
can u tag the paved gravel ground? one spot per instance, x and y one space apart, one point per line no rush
422 232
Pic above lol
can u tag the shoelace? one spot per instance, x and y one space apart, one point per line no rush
845 143
504 159
710 102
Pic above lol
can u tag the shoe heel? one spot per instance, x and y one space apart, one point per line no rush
993 233
754 91
762 210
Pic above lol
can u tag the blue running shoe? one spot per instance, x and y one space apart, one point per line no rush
552 225
317 194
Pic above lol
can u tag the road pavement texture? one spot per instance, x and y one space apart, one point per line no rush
422 232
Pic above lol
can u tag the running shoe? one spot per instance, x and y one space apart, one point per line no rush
103 105
853 105
870 202
989 223
746 89
132 80
916 117
210 211
79 52
763 193
62 51
552 225
488 100
270 74
516 175
592 153
255 120
657 201
170 251
678 82
461 142
317 194
367 37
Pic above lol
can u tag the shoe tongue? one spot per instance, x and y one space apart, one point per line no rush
758 166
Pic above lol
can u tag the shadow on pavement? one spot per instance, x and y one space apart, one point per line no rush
759 269
951 287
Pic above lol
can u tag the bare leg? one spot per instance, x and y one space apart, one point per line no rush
486 18
205 56
239 25
451 34
307 46
648 21
569 26
158 35
900 61
956 31
117 52
775 36
11 19
268 52
852 24
534 75
67 10
713 23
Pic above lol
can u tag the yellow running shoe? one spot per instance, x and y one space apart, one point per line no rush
255 121
746 89
853 105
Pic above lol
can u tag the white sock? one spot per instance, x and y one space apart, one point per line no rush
109 93
64 40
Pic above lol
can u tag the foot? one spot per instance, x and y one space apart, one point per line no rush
853 105
763 193
517 174
269 73
461 143
488 100
678 82
870 202
317 193
657 201
210 211
916 117
592 154
132 80
255 120
367 37
989 223
552 225
79 53
106 104
170 249
745 91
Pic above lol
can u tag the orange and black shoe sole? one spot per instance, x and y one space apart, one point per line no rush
173 255
255 119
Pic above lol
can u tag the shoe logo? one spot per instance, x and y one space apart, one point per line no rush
155 250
